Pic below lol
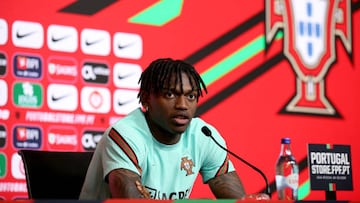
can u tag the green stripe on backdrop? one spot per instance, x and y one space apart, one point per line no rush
159 13
304 190
235 59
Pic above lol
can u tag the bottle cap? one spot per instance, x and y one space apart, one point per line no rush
285 140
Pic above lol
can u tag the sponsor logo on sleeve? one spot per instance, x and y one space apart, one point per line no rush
126 75
27 137
27 66
27 94
3 31
95 100
62 38
27 34
128 45
95 42
62 97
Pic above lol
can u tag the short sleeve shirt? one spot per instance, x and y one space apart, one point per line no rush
167 171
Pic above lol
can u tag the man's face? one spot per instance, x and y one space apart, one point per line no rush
171 110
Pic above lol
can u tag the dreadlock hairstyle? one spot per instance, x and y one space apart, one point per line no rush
157 76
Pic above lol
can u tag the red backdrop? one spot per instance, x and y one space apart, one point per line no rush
251 81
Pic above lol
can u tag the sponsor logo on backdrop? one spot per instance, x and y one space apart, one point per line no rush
125 101
27 66
309 45
17 167
4 114
95 100
95 72
3 93
62 38
126 75
62 69
127 45
27 94
90 139
27 34
3 31
2 136
27 137
3 165
60 138
62 97
95 42
3 64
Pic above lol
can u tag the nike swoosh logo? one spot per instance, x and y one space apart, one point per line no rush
121 77
124 103
124 46
57 98
53 39
89 43
20 36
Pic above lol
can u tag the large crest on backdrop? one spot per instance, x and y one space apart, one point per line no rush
310 28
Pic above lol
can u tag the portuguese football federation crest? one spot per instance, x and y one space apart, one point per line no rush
310 28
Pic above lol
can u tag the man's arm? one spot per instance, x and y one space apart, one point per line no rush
227 186
126 184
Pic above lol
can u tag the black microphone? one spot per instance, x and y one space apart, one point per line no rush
207 132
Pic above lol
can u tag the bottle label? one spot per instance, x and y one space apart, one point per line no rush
291 181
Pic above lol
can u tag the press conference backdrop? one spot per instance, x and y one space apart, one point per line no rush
68 69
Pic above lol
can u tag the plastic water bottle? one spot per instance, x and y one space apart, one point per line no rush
287 173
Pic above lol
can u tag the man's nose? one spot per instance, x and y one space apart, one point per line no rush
181 102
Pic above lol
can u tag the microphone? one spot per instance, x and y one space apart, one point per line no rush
207 132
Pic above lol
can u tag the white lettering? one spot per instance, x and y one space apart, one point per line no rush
58 117
13 187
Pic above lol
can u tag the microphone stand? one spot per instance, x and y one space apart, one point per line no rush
207 132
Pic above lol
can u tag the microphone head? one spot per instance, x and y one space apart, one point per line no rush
206 131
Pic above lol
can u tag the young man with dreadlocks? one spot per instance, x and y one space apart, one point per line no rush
158 151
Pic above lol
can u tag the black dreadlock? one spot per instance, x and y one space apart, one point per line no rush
157 76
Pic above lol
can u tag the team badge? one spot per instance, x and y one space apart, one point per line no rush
310 28
187 165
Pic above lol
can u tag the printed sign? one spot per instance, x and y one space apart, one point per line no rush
330 167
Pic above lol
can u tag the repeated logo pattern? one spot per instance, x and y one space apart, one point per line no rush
60 90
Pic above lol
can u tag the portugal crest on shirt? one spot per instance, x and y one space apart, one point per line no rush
187 165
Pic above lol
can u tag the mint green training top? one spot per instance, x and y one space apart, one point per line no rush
167 171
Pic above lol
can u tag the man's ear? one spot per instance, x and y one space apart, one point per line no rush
144 99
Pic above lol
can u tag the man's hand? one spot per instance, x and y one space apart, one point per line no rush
122 184
227 186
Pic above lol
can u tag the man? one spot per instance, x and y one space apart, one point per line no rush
158 151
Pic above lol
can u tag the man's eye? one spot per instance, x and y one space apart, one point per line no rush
192 96
169 94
